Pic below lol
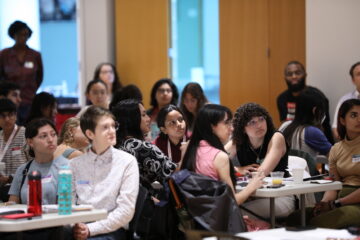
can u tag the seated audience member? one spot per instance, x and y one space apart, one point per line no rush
134 124
41 136
107 73
192 99
173 132
44 105
72 140
10 91
104 177
164 92
355 76
256 146
304 133
130 91
206 155
97 93
12 141
295 78
340 209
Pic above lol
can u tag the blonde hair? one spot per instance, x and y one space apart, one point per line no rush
65 135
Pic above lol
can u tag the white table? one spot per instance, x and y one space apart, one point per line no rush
49 220
293 189
281 233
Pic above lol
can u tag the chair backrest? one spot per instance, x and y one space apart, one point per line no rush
298 162
311 162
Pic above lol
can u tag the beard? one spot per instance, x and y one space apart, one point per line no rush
296 87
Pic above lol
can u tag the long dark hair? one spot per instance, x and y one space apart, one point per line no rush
310 110
243 115
32 129
343 110
127 114
116 85
208 116
175 93
195 90
40 102
162 116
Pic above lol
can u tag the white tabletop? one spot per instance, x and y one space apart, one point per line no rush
291 189
281 233
49 220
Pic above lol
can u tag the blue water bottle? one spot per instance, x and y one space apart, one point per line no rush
64 190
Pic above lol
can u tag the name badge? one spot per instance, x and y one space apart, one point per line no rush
15 151
356 158
83 182
29 64
46 179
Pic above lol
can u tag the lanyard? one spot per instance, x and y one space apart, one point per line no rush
169 147
4 149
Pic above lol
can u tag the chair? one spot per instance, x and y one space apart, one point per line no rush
311 162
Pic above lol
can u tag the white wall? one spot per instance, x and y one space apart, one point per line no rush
96 38
332 45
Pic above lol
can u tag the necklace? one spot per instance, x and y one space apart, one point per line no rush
256 154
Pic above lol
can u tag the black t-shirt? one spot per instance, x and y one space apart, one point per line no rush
246 155
286 107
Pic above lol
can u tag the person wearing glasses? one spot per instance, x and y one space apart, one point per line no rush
173 132
295 78
257 147
164 92
12 141
104 177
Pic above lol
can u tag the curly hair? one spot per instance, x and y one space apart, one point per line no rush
243 115
65 135
16 27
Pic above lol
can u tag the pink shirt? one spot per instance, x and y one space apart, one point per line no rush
205 157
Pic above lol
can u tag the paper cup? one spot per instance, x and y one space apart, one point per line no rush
298 175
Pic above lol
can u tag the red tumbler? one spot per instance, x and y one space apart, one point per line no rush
34 193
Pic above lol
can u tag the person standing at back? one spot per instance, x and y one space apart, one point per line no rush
355 76
295 77
22 65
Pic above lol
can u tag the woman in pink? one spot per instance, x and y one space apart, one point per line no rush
205 153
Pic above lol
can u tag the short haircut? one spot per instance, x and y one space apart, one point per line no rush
16 27
32 129
6 105
353 68
6 87
175 93
296 63
89 119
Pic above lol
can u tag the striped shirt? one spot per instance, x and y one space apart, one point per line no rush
15 155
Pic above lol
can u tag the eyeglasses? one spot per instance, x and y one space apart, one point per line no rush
173 123
10 115
254 122
107 127
164 90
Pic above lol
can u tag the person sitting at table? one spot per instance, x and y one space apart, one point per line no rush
340 209
173 127
41 136
256 146
12 141
104 177
72 141
206 155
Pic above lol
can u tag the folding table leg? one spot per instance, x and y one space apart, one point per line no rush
272 212
302 208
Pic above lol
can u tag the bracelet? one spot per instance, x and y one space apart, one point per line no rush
337 203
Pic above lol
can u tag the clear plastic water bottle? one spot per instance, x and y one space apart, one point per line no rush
64 190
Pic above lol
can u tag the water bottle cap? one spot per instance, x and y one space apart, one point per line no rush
64 167
34 175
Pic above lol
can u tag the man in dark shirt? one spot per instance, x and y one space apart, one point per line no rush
295 77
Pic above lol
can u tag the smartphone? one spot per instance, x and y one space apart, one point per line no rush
276 186
300 228
11 212
18 216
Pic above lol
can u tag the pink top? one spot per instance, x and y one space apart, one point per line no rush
205 157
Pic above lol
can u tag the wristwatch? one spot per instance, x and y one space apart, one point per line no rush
337 203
